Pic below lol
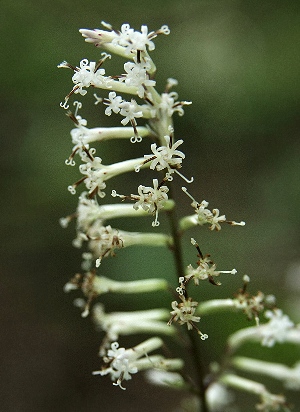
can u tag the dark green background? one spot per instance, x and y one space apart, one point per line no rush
238 61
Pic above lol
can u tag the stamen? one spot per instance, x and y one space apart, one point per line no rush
65 105
233 223
66 65
122 197
88 153
119 381
156 223
78 106
98 99
183 177
72 117
101 61
164 30
232 272
169 177
136 138
170 83
184 189
194 243
70 161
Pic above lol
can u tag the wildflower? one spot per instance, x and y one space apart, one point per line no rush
183 312
276 329
166 157
130 111
137 75
168 104
122 363
279 329
206 269
134 41
149 199
113 103
96 174
87 74
204 215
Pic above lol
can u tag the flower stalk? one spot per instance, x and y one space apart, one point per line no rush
146 114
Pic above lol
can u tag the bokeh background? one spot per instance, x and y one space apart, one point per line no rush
238 61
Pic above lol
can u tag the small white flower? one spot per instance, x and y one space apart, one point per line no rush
130 111
205 270
166 157
122 363
113 103
137 76
218 397
151 199
86 76
168 104
183 312
95 175
104 240
133 40
277 327
204 215
87 212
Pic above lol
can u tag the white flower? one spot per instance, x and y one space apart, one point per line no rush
204 215
122 363
166 157
130 111
216 219
205 270
113 102
95 175
129 39
183 312
134 40
276 329
168 104
151 199
88 75
218 397
137 76
104 240
87 212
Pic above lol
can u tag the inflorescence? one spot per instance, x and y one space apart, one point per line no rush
148 114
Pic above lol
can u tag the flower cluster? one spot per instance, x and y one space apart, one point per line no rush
147 114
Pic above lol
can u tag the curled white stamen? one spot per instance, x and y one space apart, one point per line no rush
184 178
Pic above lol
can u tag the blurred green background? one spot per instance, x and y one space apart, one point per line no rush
238 61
